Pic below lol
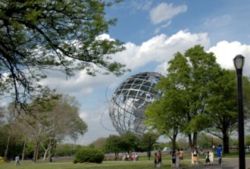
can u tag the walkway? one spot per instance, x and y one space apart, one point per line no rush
228 163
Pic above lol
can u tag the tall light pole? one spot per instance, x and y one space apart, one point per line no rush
238 63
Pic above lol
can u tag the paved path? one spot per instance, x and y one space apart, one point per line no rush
228 163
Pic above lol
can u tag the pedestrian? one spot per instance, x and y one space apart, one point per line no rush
211 157
219 153
17 160
207 160
156 160
194 156
159 158
173 156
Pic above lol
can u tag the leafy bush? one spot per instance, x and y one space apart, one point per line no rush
91 155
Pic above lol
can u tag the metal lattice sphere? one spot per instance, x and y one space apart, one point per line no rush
129 101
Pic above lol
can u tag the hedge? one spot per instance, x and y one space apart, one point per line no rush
87 154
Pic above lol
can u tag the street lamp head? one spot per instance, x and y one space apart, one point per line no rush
239 62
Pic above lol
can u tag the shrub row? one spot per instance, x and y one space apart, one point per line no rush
87 154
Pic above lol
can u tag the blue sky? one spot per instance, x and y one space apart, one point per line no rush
152 31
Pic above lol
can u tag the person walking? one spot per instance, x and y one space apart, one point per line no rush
219 153
159 158
195 156
173 157
156 160
17 160
211 157
207 160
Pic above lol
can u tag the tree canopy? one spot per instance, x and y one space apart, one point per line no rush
51 34
47 120
185 92
198 95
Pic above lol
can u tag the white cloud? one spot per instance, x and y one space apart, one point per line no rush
104 37
226 51
160 48
81 83
165 11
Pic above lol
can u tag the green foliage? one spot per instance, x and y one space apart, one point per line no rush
147 141
124 143
186 89
130 142
91 155
247 140
46 120
64 34
113 144
206 141
66 149
222 105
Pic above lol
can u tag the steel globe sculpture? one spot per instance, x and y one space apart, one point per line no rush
129 101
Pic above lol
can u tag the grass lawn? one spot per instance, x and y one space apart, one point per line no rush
143 164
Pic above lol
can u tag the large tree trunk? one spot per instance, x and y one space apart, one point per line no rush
7 148
23 152
192 139
195 134
225 141
173 139
174 143
53 144
46 153
47 150
36 151
190 142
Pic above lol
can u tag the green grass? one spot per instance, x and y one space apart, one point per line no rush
105 165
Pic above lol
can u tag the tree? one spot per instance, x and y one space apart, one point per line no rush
63 35
169 123
185 92
130 142
113 144
147 142
222 106
10 128
11 137
50 118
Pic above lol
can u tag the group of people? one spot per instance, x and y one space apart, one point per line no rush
178 155
209 156
132 156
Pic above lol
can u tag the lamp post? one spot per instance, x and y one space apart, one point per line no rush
238 63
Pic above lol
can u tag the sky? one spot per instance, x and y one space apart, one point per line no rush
152 32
